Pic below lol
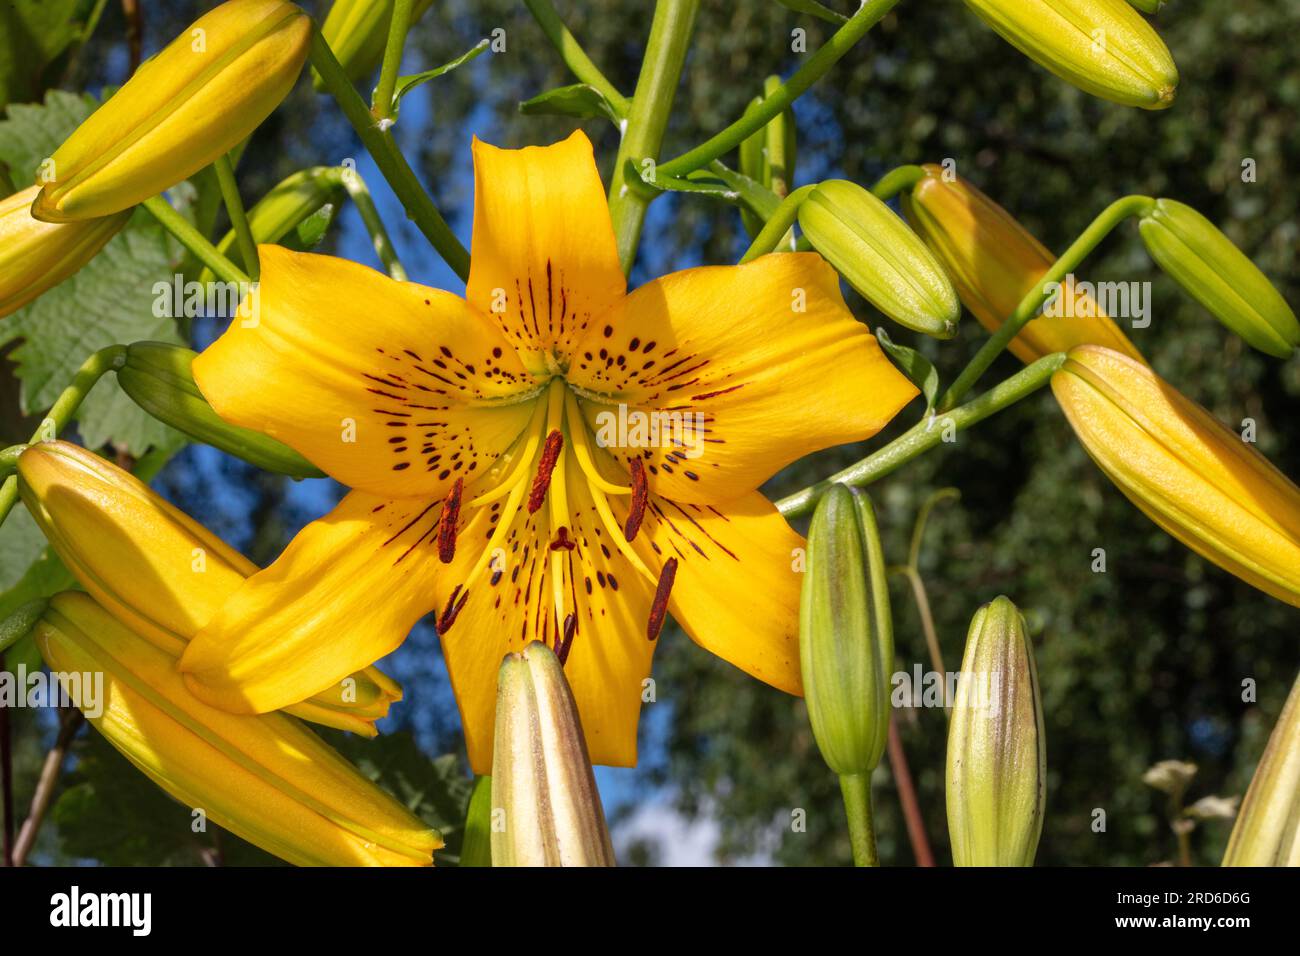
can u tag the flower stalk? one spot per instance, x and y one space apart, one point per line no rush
225 171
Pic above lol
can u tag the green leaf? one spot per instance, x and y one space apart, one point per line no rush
580 100
110 301
34 35
437 791
407 83
914 365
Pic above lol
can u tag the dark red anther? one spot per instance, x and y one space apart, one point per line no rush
565 643
452 610
660 606
542 481
640 494
450 518
562 540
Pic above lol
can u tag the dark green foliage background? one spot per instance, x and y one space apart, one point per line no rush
1141 663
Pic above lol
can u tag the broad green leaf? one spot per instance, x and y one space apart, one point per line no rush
914 365
580 100
407 83
34 36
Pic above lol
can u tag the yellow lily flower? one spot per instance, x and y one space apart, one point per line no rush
1192 476
1267 831
267 779
201 96
995 262
36 256
159 571
549 459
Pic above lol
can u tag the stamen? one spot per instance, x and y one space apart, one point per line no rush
582 449
660 606
519 472
616 533
550 455
565 643
640 494
452 610
450 518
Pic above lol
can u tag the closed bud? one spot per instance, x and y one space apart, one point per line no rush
1201 259
768 156
1267 832
846 635
995 262
1103 47
157 377
1191 475
288 204
880 257
199 97
542 782
158 570
996 750
357 31
36 256
266 778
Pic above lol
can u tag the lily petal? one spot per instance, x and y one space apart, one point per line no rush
737 588
746 368
512 604
389 387
345 592
544 261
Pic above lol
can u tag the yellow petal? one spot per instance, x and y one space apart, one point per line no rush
995 262
1192 476
513 604
544 261
267 779
389 387
345 592
744 368
737 588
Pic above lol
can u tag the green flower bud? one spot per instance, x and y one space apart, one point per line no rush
768 155
880 257
996 750
1201 259
541 776
157 377
357 32
846 638
1267 832
286 206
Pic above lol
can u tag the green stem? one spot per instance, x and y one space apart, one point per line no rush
868 15
574 57
897 180
419 207
1034 300
193 240
225 171
661 69
381 103
356 188
856 790
761 200
777 225
928 433
922 599
92 370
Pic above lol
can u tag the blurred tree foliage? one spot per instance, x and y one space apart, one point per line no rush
1143 662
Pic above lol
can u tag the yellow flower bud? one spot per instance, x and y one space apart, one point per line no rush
1204 261
541 776
158 570
880 257
1191 475
1103 47
36 256
267 778
198 98
357 31
996 750
1267 832
994 262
